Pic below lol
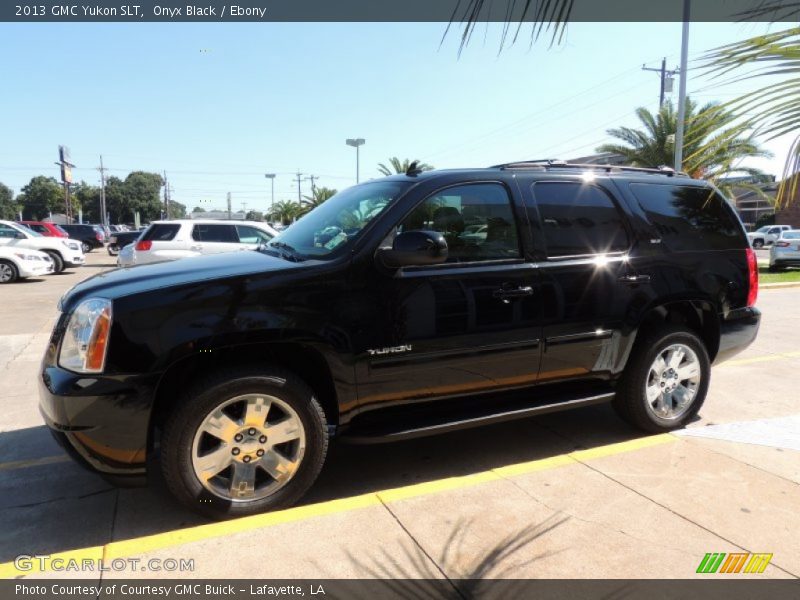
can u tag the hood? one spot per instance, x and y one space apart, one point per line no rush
128 281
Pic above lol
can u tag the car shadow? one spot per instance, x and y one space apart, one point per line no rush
53 507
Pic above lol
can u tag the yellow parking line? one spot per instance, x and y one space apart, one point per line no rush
760 359
33 462
150 543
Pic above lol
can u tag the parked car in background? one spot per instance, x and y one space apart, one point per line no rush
120 239
104 232
89 237
19 263
171 240
764 236
785 252
64 252
46 229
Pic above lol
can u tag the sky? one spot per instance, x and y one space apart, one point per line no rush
217 106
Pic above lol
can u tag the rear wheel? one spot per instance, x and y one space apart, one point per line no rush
8 272
665 382
86 247
244 441
58 262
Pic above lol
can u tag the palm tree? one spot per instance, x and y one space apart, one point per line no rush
398 166
714 146
775 106
285 211
317 197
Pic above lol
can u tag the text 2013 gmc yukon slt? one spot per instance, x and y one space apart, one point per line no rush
402 307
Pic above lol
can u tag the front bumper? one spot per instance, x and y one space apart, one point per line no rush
101 421
74 260
35 268
738 328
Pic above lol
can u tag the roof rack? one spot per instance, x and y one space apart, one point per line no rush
553 163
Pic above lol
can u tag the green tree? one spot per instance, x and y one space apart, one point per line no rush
198 209
176 210
254 215
774 108
286 211
41 196
397 166
142 193
9 209
317 197
715 143
88 197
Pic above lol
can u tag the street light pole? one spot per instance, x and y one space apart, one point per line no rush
356 143
271 177
682 88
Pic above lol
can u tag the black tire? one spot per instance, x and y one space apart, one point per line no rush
58 262
86 248
775 269
214 391
8 272
758 243
631 401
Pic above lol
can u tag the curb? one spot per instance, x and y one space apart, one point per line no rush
778 286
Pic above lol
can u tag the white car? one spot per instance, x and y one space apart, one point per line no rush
63 251
785 252
19 263
172 240
764 236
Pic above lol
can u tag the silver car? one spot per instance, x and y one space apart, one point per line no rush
785 252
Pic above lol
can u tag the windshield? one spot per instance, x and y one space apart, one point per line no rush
763 229
334 224
26 230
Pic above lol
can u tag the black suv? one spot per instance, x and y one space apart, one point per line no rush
89 237
403 307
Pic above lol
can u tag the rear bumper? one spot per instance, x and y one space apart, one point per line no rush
101 422
738 329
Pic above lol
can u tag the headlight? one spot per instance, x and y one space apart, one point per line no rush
83 349
26 256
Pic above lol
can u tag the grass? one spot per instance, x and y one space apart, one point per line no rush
787 276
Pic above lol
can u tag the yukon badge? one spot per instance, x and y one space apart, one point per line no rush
390 350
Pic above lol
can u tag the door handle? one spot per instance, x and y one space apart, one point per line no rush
196 247
507 294
635 278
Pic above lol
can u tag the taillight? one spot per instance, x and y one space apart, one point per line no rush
98 237
143 245
782 244
752 275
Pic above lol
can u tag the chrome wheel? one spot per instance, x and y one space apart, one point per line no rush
672 382
248 448
6 273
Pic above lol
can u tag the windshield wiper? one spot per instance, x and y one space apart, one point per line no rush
284 250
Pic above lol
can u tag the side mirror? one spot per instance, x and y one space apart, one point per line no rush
415 248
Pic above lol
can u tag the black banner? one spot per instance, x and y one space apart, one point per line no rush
324 589
398 10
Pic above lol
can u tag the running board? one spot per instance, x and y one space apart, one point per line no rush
384 435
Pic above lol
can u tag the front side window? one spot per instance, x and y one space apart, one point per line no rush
578 219
252 235
7 232
215 233
476 220
336 223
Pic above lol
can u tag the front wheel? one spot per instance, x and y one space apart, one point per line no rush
8 272
665 382
244 441
58 262
758 244
86 247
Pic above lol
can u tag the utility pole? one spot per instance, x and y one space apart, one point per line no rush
166 195
66 178
271 177
311 178
229 206
244 209
299 179
682 87
103 215
666 79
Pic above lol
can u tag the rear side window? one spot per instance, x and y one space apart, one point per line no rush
578 219
161 232
689 218
215 233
